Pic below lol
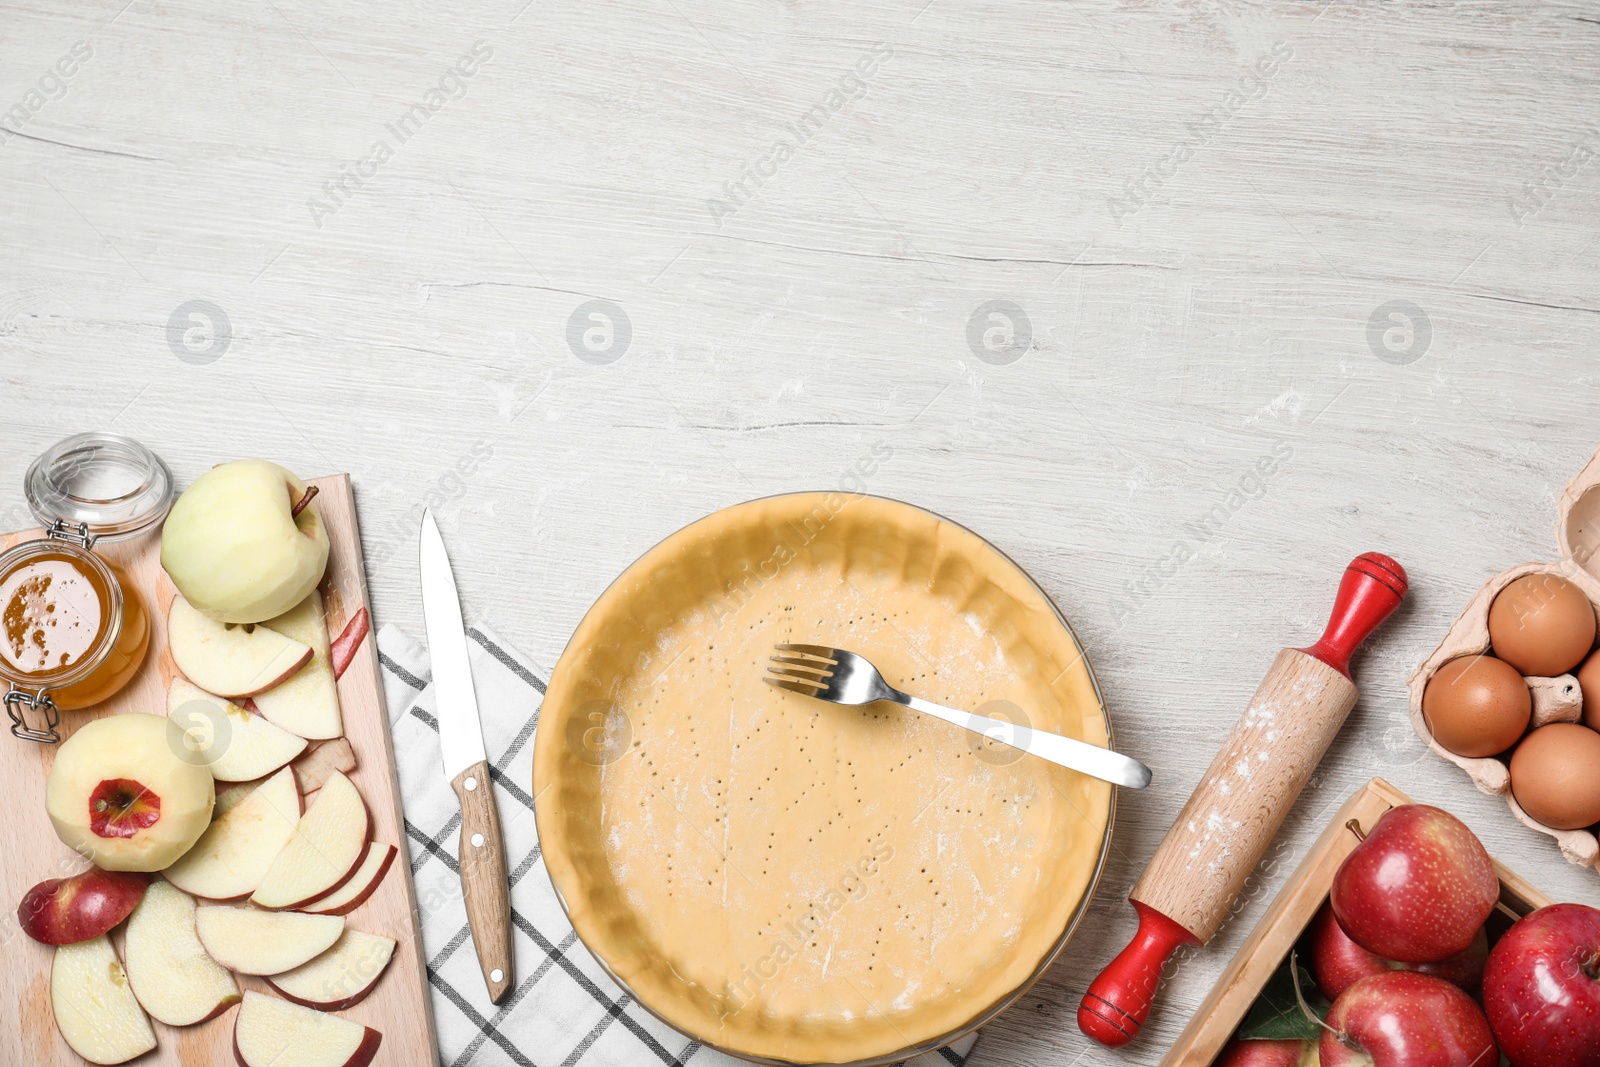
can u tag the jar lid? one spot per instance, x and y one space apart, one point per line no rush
111 483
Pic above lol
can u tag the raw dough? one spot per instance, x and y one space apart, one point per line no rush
785 878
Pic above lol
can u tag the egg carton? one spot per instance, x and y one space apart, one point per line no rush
1554 699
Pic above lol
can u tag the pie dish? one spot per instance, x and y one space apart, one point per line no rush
796 882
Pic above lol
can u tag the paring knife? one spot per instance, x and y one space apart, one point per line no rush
482 853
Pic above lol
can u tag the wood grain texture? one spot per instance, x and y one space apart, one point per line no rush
1225 828
486 892
1263 952
399 1006
418 337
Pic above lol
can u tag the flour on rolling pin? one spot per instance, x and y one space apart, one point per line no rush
1230 819
1244 796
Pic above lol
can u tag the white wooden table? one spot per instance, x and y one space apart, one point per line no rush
289 229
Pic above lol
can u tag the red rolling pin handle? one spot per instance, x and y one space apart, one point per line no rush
1372 587
1117 1003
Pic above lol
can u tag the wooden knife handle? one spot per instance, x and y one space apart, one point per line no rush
483 878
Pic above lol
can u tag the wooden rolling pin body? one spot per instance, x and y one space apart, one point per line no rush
1224 830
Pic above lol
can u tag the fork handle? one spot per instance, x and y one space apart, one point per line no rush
1080 756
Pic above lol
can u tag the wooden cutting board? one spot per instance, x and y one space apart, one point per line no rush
30 852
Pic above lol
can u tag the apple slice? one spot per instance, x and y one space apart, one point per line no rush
342 976
229 659
354 893
343 649
236 745
251 941
311 768
232 796
237 849
314 767
275 1033
63 911
362 883
94 1005
307 703
327 847
171 974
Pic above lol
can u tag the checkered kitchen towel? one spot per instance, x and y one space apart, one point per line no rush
564 1010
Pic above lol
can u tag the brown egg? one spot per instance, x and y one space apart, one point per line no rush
1542 625
1589 682
1477 706
1555 775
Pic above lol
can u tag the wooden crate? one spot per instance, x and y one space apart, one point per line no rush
1291 912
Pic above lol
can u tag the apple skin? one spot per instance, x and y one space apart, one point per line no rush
1417 889
1403 1019
343 649
1338 963
1541 990
64 911
233 547
1239 1053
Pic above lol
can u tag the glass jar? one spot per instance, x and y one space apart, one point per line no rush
73 629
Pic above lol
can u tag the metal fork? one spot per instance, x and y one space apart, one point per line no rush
842 677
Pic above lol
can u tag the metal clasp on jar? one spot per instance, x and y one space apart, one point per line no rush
16 698
79 535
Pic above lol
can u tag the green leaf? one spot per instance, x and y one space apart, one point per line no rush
1276 1014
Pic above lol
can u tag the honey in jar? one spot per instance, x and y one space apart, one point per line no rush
73 629
66 613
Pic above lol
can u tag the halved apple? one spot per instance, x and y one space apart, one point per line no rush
308 702
354 893
228 659
252 941
342 976
173 977
243 544
235 745
94 1006
119 794
236 851
275 1033
326 849
63 911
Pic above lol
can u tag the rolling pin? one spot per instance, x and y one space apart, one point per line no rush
1225 828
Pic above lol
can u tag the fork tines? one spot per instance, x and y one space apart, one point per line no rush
805 671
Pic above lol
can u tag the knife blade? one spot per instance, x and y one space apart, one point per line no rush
466 766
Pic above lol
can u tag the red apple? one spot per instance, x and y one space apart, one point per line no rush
1417 889
1402 1019
1338 963
64 911
1262 1053
1542 988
